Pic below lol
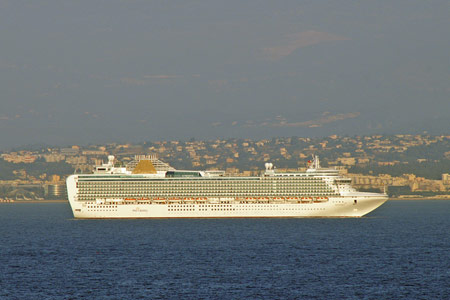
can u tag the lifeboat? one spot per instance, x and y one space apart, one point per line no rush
317 200
306 200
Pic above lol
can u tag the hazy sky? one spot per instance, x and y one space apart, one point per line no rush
76 72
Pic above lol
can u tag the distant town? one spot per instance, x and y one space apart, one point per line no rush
407 166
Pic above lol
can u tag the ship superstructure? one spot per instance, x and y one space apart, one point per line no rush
150 188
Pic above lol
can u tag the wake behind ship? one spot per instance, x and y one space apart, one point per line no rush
150 188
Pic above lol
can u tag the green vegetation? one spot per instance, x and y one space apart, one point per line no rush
423 155
11 171
21 192
429 170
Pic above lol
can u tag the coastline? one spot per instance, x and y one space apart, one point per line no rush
441 197
35 201
413 198
390 199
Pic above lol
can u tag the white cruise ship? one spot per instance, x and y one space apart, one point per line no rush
150 188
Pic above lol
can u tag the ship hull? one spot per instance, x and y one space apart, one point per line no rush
334 207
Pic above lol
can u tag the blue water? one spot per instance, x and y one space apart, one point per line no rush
399 251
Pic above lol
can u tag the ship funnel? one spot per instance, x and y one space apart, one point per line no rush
269 166
315 163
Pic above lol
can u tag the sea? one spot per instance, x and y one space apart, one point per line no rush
399 251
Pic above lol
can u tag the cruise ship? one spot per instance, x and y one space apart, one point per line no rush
150 188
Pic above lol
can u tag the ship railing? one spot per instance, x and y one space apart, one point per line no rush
216 200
